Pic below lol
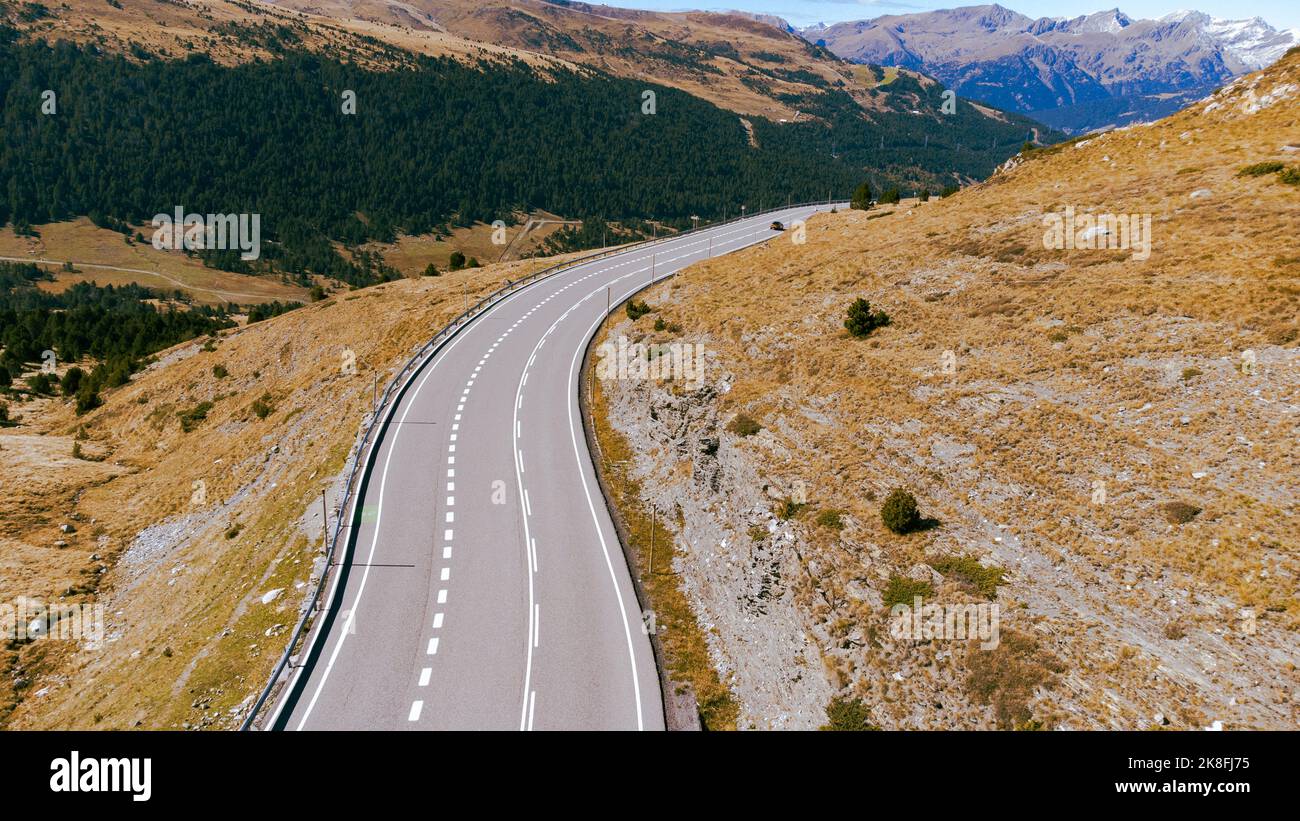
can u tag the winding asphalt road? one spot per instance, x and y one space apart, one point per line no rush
487 588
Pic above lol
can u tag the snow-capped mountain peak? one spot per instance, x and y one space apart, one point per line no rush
1074 73
1105 22
1254 42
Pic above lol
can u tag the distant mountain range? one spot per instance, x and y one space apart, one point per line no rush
1076 74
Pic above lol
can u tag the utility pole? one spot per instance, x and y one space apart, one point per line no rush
653 258
374 396
324 522
652 541
607 299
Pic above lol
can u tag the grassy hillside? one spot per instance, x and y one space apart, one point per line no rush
1106 443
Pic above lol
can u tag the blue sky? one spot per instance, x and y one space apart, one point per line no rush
1278 13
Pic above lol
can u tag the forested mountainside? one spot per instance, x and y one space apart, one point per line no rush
435 142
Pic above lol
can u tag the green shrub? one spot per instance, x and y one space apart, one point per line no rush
71 381
924 196
899 512
902 590
191 418
1259 169
889 197
40 384
832 519
948 191
457 261
860 320
968 572
744 425
220 372
789 509
1290 176
636 310
848 715
5 421
266 310
114 377
88 399
861 199
263 406
431 270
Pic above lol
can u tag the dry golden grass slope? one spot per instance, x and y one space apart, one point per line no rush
101 255
235 31
200 544
1088 390
730 59
738 63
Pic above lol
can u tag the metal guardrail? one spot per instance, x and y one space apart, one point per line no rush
385 408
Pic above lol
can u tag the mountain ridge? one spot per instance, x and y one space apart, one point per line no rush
1078 74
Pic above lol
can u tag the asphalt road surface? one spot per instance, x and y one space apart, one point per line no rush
488 589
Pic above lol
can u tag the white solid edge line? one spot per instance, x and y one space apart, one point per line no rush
586 489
